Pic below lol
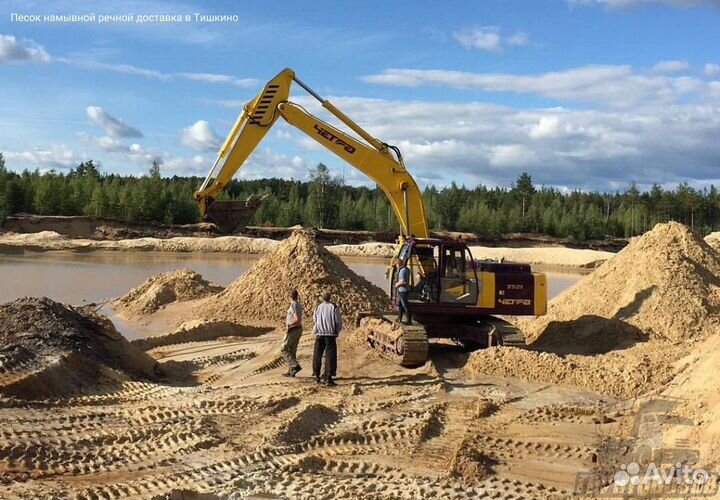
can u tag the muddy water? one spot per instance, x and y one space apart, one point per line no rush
94 277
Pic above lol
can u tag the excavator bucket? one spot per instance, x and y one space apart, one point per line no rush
232 216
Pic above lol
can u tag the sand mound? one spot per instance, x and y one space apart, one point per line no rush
308 422
164 288
299 262
713 239
470 464
618 330
613 374
49 349
664 284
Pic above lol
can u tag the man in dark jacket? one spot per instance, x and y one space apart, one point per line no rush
328 323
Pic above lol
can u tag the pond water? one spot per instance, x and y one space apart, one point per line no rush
98 276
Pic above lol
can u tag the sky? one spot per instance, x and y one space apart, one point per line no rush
581 94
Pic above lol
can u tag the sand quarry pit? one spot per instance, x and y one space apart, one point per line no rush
504 423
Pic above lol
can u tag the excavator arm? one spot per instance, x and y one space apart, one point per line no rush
379 161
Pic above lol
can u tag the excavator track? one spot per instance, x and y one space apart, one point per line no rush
406 345
504 333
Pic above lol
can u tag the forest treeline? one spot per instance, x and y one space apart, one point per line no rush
325 201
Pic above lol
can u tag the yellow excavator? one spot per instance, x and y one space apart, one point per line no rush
451 294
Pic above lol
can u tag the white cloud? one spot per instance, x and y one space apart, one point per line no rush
11 50
142 156
106 143
200 136
195 165
112 126
485 38
265 162
511 155
219 78
488 38
549 127
671 66
57 156
519 38
616 86
475 142
712 69
129 69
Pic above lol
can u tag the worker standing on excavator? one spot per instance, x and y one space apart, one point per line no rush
403 290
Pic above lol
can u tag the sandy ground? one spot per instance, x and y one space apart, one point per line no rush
237 427
216 418
559 257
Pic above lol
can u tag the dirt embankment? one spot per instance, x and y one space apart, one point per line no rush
300 262
52 241
49 349
49 241
619 329
547 256
102 228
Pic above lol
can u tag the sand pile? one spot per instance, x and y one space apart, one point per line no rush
261 294
617 330
470 464
697 389
309 421
49 349
164 288
664 284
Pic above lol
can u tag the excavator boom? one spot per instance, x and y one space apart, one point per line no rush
379 161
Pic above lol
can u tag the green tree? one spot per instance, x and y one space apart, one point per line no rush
450 201
323 197
524 187
99 203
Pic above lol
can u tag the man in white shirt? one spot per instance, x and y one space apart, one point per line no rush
328 323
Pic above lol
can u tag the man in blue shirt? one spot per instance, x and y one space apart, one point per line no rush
403 290
328 323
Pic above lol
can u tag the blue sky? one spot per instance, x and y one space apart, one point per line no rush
589 94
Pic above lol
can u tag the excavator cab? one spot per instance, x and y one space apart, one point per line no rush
442 272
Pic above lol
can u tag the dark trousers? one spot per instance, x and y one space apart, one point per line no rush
325 344
403 307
